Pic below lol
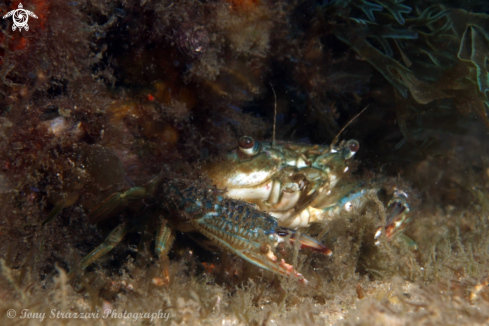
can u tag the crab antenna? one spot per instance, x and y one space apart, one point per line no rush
335 140
274 115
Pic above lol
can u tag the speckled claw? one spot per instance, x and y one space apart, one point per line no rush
249 233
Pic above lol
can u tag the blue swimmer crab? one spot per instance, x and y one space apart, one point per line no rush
261 193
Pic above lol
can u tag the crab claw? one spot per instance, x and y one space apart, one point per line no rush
305 241
250 234
273 265
397 210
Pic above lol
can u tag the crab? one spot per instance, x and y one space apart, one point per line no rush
261 193
300 184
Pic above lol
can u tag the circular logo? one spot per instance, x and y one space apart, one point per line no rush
11 313
20 18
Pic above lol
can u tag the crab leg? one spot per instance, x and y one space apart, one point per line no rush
110 242
163 243
396 212
117 201
164 240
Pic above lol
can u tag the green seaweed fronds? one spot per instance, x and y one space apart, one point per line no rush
395 8
431 53
368 8
474 48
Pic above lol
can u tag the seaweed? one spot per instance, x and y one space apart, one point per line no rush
447 37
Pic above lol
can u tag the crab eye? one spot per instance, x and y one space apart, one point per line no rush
246 142
353 146
248 145
350 148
